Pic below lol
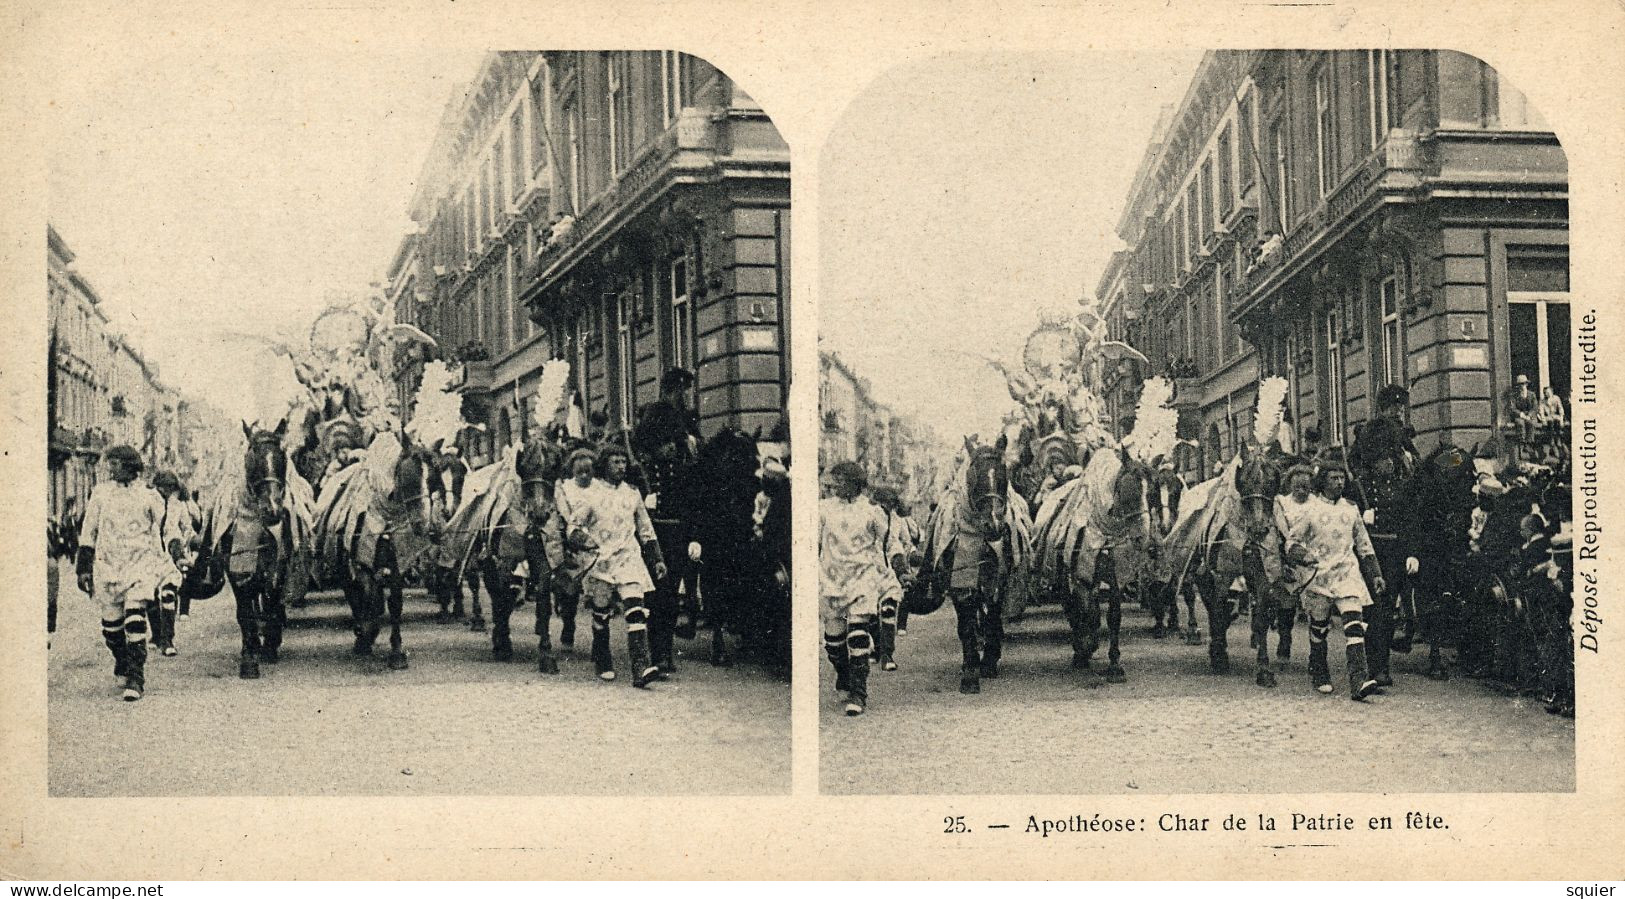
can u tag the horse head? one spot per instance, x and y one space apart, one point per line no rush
987 484
1446 480
1258 482
412 487
265 467
731 455
1131 487
540 464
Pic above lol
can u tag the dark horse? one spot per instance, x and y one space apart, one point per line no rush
730 568
258 548
1431 601
379 534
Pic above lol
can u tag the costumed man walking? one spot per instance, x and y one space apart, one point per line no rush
895 550
667 440
1383 458
909 526
1339 549
176 529
771 533
852 578
123 565
610 515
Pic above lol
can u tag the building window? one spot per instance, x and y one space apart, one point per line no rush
1332 376
682 316
536 115
1376 81
1538 319
1184 237
1226 163
499 180
1193 218
1247 143
516 153
671 86
1325 146
572 124
1202 192
626 362
616 123
1393 338
1283 189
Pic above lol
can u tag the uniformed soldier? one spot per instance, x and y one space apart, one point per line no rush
1383 458
667 442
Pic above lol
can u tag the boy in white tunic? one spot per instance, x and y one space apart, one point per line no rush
1340 550
123 564
611 514
853 575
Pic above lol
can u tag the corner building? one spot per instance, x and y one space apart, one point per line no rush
1346 220
628 211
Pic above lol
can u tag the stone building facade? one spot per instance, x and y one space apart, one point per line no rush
626 211
1347 220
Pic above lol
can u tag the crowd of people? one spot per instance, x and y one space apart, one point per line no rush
623 523
1466 550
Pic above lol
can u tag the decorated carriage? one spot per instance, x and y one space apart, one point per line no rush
1057 510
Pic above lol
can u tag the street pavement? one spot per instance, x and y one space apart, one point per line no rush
323 722
1042 728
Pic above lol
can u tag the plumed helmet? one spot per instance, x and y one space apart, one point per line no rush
1055 448
1393 396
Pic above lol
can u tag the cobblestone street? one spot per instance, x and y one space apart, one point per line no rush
1042 728
323 722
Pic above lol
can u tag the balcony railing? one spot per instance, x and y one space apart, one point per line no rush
1395 165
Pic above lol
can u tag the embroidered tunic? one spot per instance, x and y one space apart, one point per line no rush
124 523
851 554
1337 541
616 520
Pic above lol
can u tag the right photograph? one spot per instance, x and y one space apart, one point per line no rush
1195 422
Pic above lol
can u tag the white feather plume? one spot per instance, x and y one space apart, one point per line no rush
437 415
1155 423
552 394
1271 406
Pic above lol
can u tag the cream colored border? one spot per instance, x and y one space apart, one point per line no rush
803 61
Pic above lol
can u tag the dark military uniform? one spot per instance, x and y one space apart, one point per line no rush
1381 493
662 441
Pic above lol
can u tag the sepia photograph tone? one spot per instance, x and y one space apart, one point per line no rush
417 426
1218 445
411 417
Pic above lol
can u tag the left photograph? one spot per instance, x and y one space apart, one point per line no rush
417 427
